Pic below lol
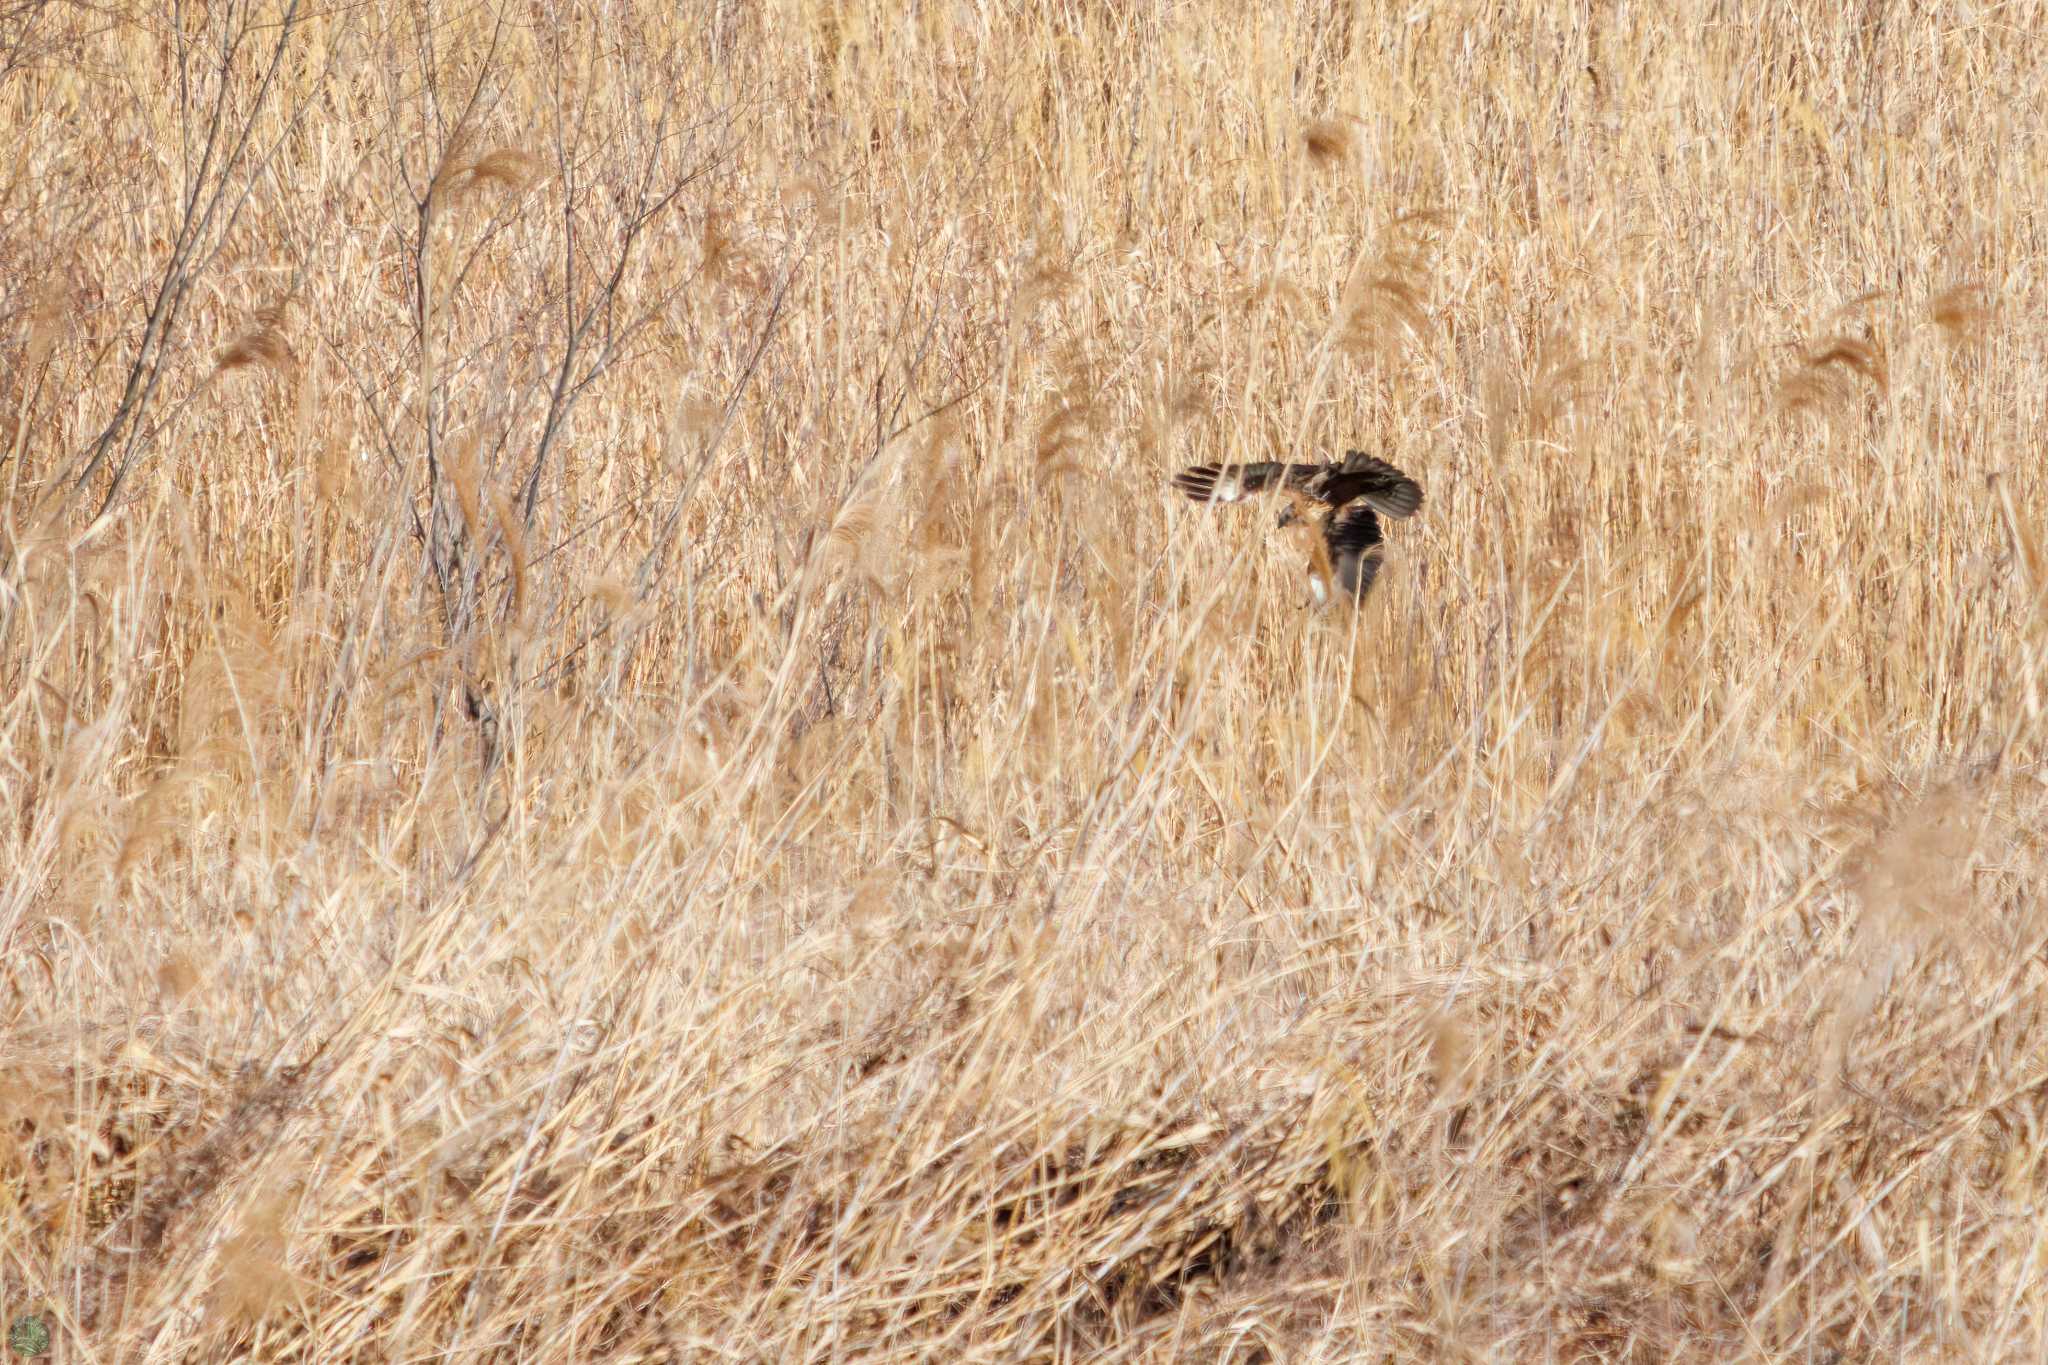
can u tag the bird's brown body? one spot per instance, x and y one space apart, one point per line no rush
1336 506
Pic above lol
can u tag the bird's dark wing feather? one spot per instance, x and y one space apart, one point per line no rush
1390 492
1236 482
1352 535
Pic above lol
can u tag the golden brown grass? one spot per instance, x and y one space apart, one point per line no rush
612 746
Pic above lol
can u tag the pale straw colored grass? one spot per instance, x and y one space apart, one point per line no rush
859 869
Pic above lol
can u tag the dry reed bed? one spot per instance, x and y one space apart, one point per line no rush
611 746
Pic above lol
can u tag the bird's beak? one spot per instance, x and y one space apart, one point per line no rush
1289 515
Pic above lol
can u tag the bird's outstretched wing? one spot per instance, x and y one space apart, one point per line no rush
1351 533
1236 482
1384 488
1351 496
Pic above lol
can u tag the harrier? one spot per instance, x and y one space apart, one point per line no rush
1350 498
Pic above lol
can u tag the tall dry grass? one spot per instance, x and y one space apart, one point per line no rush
612 746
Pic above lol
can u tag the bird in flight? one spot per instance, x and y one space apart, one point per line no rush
1346 499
